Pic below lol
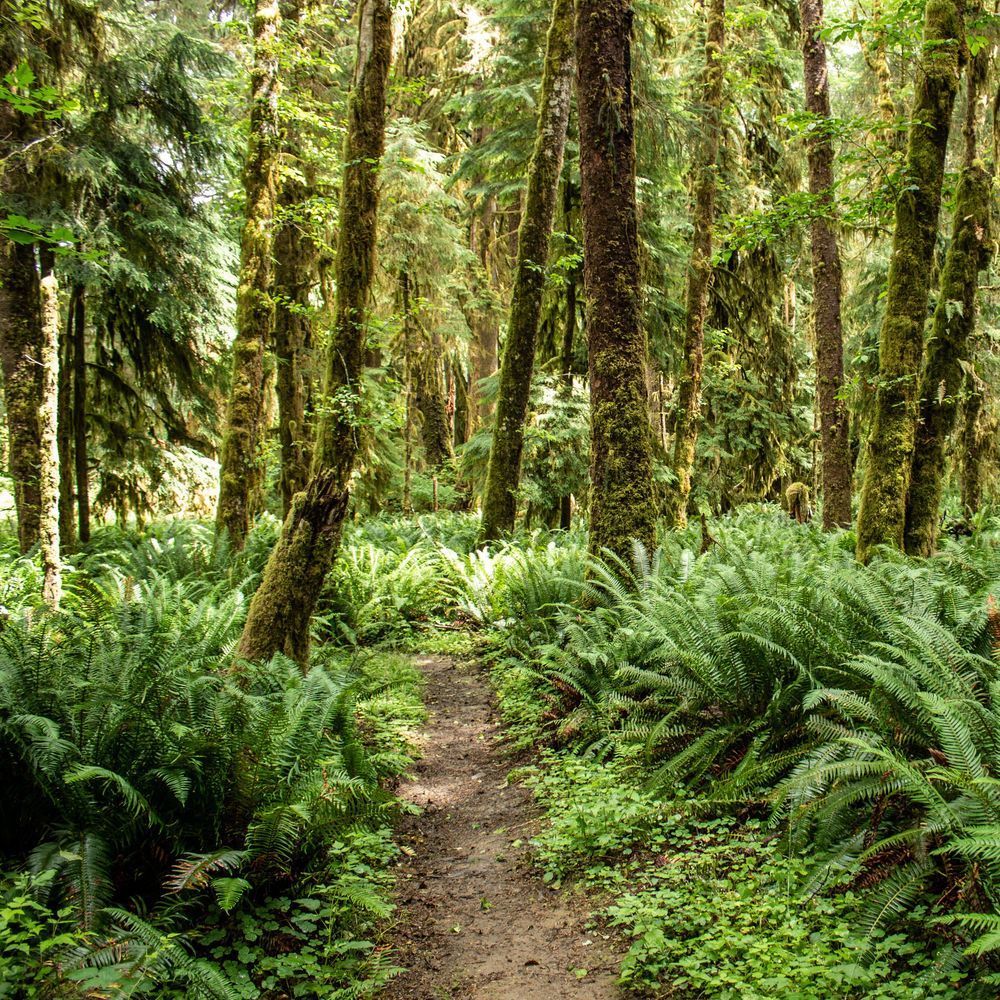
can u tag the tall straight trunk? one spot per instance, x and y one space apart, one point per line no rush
622 507
410 403
827 279
280 613
483 318
48 433
20 355
882 515
80 454
566 366
688 420
241 473
295 273
534 236
67 519
948 347
432 404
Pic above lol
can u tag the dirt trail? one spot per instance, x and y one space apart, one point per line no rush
474 921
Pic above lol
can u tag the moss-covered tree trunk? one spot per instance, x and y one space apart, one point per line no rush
280 612
882 515
688 420
947 349
482 314
48 435
432 404
975 445
535 233
81 460
827 279
241 473
20 355
67 516
296 258
622 507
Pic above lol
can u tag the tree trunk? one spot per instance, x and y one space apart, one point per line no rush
241 473
296 258
566 364
429 395
80 454
48 433
622 509
280 613
881 518
700 268
67 519
517 365
20 355
947 349
827 277
483 319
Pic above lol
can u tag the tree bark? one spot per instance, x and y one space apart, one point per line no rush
67 518
700 268
882 515
81 459
280 612
622 509
241 472
482 316
20 355
827 278
48 434
534 236
975 445
948 346
296 258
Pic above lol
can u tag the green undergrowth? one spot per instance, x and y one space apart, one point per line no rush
177 825
711 905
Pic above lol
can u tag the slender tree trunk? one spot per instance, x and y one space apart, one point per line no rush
881 518
948 347
280 613
67 518
408 426
622 508
700 268
20 355
500 498
483 317
48 432
827 277
80 452
296 259
566 364
241 472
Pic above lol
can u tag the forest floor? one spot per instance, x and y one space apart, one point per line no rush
474 920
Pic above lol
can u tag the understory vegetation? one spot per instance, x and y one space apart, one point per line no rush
764 742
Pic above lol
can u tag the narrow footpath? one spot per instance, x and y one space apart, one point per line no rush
474 920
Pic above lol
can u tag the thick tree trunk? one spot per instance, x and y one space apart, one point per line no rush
432 404
622 508
517 365
827 277
688 420
280 613
296 259
20 355
241 474
48 433
67 518
882 515
80 453
947 349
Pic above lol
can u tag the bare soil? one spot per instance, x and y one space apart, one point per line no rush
474 920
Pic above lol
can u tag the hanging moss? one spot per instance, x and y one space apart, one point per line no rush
534 235
881 518
688 418
241 471
622 507
279 615
20 355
